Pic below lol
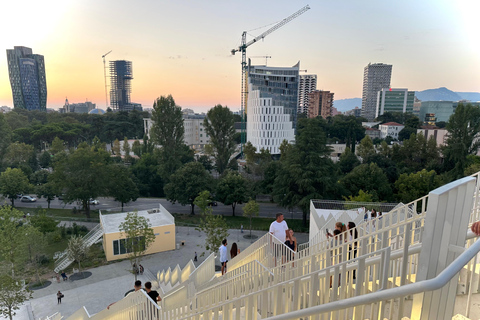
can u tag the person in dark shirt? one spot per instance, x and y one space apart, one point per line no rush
152 293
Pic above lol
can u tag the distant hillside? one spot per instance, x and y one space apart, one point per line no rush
472 96
438 94
347 104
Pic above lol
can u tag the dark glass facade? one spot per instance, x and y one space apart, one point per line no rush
27 78
280 84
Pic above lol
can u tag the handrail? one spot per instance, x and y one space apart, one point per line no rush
409 289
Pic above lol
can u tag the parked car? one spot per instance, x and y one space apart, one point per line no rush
93 202
212 203
28 199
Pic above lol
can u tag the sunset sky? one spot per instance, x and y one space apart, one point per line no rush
183 47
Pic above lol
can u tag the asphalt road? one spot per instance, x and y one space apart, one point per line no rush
266 209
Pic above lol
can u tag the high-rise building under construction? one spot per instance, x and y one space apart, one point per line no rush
121 75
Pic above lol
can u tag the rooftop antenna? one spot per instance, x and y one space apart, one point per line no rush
105 76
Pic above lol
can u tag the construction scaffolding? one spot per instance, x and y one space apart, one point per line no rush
120 88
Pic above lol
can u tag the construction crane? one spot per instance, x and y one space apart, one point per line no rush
105 76
265 57
243 49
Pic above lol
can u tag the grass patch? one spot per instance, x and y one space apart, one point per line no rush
63 214
258 223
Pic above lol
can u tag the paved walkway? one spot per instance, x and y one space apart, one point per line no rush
109 283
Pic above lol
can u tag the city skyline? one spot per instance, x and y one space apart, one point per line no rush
183 48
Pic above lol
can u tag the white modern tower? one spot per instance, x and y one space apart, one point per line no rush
306 83
376 76
267 125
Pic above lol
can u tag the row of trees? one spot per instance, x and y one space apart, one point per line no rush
304 170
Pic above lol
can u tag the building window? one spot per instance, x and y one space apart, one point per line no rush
119 246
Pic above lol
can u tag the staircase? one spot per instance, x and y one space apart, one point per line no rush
89 239
406 266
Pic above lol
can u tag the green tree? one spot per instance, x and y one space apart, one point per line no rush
214 226
137 148
362 196
77 250
82 175
48 191
45 159
43 223
126 150
12 296
348 160
116 147
232 189
147 176
371 179
306 172
139 235
13 182
250 210
365 148
18 154
463 138
219 125
57 146
33 247
121 186
12 235
187 183
5 133
206 162
168 132
415 185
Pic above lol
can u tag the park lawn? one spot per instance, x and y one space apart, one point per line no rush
63 214
258 223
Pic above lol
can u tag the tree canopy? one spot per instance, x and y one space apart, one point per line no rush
139 236
306 172
232 189
187 183
219 125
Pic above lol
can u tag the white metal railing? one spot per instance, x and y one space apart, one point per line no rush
386 222
379 300
136 305
337 257
268 250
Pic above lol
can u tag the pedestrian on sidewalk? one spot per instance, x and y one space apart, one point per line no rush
241 228
59 297
195 259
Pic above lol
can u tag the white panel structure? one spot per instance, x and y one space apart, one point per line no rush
267 125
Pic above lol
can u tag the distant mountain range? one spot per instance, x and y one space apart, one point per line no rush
347 104
425 95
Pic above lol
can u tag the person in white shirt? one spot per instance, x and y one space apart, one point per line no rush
279 228
223 256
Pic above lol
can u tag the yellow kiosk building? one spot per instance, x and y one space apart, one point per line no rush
163 225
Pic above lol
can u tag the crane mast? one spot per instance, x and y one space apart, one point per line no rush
243 49
105 77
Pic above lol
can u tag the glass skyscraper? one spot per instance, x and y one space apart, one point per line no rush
279 84
27 78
